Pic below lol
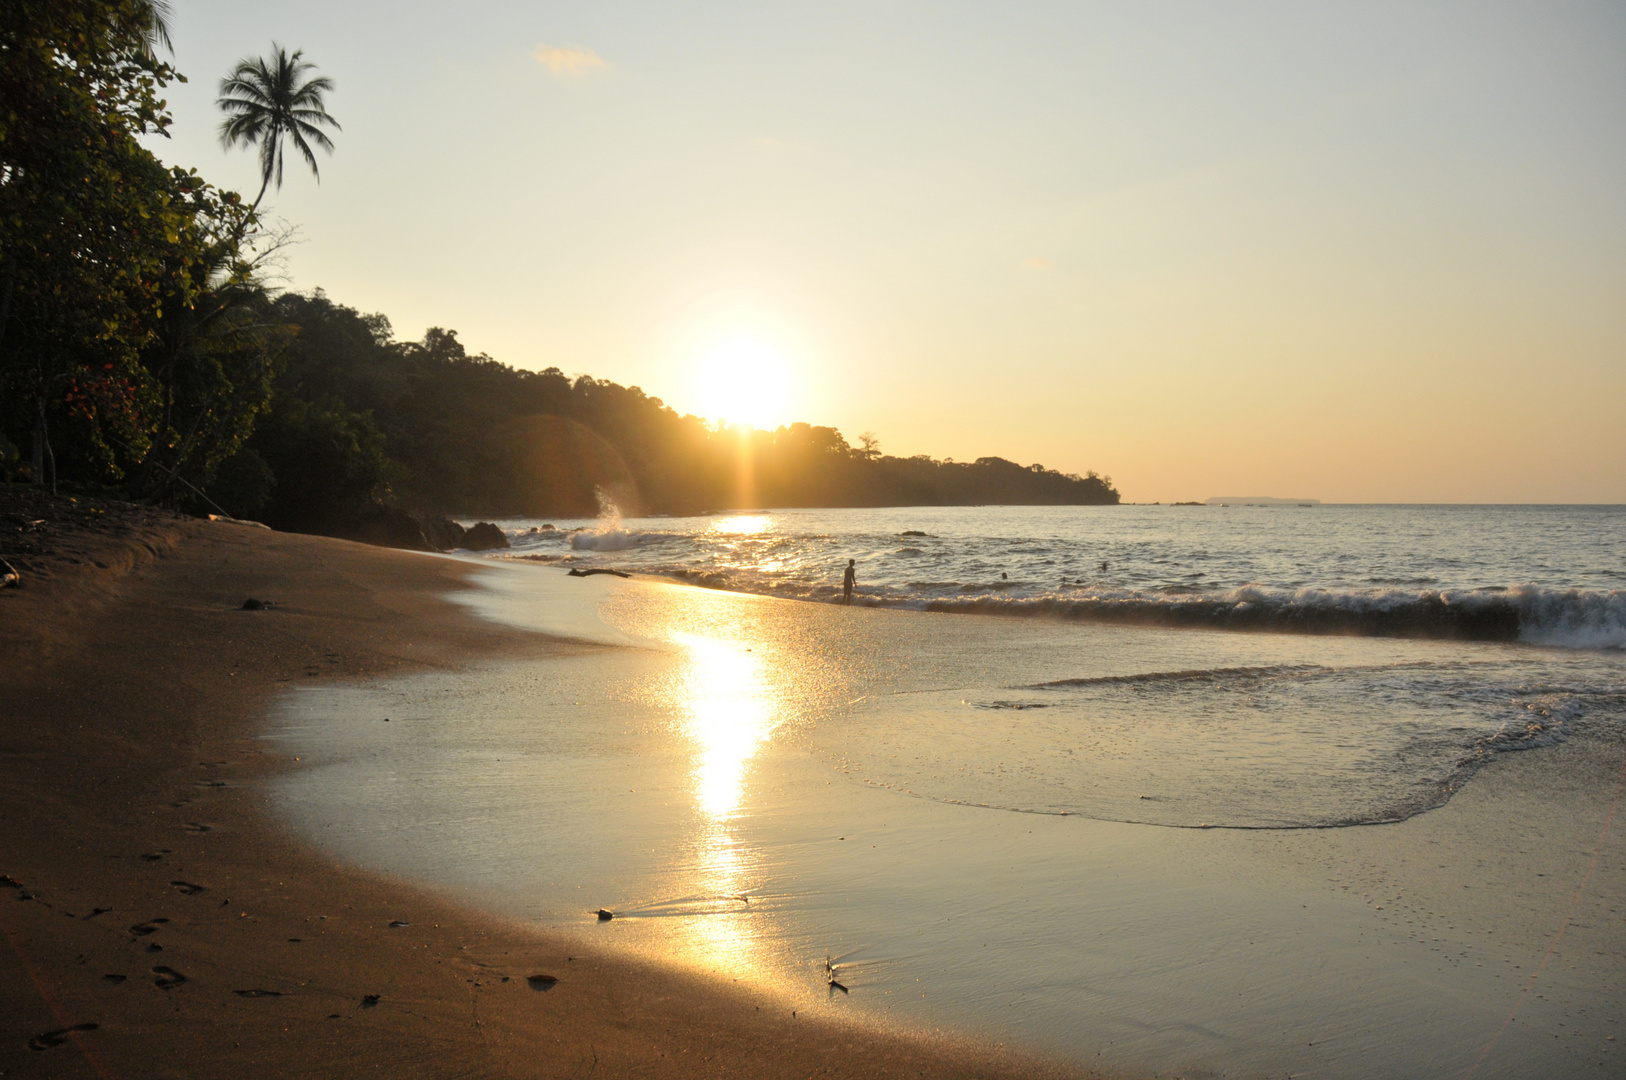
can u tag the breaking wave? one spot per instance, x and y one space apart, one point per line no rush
1567 618
1570 618
604 539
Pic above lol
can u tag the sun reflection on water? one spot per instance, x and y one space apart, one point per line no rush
742 524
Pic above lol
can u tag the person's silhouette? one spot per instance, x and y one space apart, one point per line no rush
849 578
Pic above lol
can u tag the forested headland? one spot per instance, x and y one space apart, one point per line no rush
143 354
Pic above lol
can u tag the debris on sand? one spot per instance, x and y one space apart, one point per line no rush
56 1038
605 915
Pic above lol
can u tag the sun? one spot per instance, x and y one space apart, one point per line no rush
743 380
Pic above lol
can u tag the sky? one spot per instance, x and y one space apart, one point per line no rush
1360 252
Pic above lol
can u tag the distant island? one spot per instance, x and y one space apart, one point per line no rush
1259 500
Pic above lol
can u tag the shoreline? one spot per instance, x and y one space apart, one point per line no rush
141 845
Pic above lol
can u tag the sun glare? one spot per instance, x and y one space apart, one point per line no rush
743 380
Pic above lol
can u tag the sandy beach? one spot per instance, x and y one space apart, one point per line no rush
158 923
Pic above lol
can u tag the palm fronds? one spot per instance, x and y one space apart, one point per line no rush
269 99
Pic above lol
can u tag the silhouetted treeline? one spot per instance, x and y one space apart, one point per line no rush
358 416
355 420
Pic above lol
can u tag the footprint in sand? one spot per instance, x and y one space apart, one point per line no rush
114 979
142 929
188 889
167 978
154 856
196 827
58 1037
257 993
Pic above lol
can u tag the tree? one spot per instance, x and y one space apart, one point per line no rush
268 99
85 210
127 325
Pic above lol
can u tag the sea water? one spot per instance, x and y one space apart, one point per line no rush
1543 574
1114 831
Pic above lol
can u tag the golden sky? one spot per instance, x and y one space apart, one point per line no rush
1355 252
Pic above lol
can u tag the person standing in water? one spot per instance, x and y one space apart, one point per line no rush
849 578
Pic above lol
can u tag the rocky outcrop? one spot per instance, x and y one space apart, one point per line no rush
484 536
386 526
443 532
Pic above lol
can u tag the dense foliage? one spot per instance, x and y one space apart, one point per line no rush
140 352
130 348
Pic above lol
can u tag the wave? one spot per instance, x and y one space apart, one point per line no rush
614 538
604 539
1570 618
1563 618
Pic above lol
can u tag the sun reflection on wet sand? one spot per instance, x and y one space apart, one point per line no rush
729 715
730 712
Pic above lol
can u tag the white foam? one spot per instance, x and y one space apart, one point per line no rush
604 539
1572 618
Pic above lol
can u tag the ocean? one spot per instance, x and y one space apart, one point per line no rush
1549 575
1164 790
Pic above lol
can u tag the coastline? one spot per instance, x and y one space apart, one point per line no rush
140 844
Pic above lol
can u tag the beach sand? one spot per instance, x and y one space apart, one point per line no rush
159 923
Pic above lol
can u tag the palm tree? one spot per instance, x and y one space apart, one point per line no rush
153 19
265 99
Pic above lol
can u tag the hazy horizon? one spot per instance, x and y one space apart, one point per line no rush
1372 255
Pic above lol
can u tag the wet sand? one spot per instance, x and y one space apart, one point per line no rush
721 746
159 923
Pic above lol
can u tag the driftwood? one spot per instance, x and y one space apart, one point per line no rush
597 570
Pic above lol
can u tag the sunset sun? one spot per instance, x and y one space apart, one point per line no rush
744 380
